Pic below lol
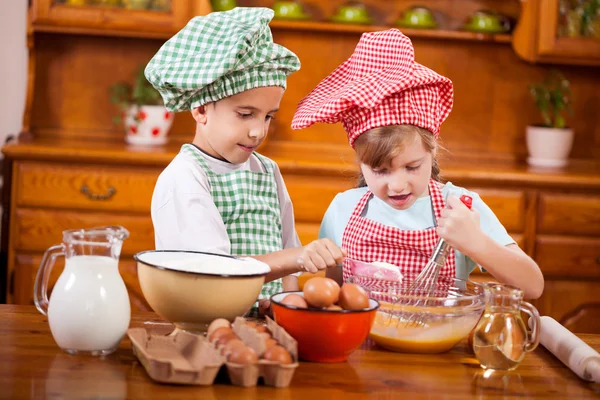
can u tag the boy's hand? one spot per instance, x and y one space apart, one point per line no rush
264 308
460 227
320 254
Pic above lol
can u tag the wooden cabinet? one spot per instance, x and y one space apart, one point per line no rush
50 197
149 18
71 167
552 31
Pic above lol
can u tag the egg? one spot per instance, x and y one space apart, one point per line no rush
335 287
264 329
270 342
251 324
335 307
294 300
230 345
223 340
278 355
242 355
217 333
216 324
265 335
320 292
353 297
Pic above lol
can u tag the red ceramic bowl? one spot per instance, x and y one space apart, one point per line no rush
324 335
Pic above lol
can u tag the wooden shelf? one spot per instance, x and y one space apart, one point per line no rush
321 26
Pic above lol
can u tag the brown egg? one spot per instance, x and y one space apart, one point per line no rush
251 324
294 300
223 340
229 346
265 335
216 324
278 355
242 355
217 333
335 287
318 292
353 297
263 328
334 307
271 342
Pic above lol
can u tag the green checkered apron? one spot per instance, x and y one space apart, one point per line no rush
249 206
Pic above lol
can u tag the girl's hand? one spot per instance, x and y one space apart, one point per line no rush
460 227
320 254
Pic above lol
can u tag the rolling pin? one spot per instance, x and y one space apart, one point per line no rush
568 348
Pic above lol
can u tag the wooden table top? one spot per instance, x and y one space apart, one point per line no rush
32 366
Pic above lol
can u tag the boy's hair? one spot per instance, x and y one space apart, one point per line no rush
378 146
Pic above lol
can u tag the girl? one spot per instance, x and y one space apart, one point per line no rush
218 194
391 108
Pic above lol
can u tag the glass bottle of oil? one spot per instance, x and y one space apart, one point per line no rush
501 339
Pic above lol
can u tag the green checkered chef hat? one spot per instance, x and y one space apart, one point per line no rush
217 56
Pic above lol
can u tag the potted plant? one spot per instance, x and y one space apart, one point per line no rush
145 118
549 143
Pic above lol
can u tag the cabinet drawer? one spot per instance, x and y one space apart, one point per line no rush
26 267
568 257
569 214
508 205
35 230
101 187
312 195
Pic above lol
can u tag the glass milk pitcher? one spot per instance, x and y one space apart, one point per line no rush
501 339
88 311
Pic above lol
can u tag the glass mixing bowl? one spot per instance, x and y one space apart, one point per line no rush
421 323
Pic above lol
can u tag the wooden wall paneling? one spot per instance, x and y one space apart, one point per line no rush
492 104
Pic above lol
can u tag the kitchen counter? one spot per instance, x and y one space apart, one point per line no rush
306 158
34 367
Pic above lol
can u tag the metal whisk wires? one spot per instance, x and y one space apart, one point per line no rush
424 286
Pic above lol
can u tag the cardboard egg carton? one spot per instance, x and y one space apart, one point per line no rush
186 358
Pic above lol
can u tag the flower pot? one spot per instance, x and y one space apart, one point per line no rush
147 125
548 147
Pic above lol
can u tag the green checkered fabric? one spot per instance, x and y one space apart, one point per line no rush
249 206
217 56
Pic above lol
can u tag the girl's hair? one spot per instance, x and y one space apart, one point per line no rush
378 146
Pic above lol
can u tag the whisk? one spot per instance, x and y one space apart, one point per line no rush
425 284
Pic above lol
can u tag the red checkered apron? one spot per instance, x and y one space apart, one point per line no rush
410 250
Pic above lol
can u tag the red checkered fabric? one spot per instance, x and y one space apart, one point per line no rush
410 250
379 85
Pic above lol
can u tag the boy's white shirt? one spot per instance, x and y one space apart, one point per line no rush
184 214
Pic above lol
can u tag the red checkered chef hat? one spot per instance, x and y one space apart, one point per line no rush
379 85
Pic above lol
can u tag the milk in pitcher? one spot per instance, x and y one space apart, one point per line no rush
89 306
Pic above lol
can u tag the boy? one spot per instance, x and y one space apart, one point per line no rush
218 195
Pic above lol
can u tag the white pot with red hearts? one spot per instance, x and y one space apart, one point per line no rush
147 125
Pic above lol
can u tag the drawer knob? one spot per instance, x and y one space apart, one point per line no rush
93 196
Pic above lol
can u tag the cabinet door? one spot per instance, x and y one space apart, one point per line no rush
557 31
26 267
145 18
571 303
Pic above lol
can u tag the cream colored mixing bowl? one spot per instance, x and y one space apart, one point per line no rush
191 289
